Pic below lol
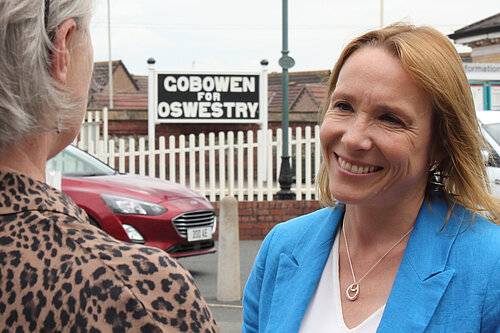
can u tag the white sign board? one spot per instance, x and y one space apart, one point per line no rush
478 95
208 97
495 96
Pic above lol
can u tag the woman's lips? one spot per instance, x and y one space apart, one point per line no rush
357 169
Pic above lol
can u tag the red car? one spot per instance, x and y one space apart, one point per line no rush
135 208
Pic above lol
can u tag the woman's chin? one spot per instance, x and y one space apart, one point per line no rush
356 197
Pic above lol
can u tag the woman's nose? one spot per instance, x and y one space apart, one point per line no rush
356 135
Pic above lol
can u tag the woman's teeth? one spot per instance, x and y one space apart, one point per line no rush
356 168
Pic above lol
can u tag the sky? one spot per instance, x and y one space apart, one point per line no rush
235 35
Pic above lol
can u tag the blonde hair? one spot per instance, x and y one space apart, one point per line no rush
30 99
432 62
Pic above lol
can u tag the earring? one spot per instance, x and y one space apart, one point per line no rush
58 126
435 178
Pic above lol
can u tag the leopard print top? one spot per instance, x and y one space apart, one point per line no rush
60 274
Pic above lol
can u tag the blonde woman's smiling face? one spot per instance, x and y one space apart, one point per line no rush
376 134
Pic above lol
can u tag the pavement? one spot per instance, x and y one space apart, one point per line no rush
204 270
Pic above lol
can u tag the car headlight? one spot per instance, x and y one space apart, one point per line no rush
129 206
134 235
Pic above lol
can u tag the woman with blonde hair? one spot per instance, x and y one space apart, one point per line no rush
58 273
409 241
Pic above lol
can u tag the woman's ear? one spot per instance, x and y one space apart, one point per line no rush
438 153
60 58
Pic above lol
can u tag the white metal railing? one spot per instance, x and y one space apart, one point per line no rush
215 165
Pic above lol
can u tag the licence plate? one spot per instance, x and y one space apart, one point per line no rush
195 234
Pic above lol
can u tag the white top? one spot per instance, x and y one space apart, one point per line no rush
324 313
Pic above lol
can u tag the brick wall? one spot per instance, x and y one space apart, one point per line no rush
257 218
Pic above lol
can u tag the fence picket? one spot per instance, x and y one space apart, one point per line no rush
270 183
308 158
171 158
298 163
182 159
230 163
202 164
131 156
96 129
240 147
317 152
100 151
222 166
121 156
260 173
250 166
192 161
142 156
161 157
111 153
211 165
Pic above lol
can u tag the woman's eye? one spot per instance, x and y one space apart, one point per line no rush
343 106
392 120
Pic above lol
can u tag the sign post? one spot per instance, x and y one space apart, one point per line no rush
264 115
151 115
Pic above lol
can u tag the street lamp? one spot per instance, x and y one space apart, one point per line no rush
110 62
286 62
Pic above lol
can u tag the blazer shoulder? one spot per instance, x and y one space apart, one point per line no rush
473 231
485 233
285 236
309 223
476 245
298 223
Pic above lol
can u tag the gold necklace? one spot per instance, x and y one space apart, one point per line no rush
352 292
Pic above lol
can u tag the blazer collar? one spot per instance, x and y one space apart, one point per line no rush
318 236
422 277
299 271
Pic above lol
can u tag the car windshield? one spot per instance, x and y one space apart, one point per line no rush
494 131
73 162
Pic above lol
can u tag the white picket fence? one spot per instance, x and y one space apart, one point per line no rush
90 134
245 165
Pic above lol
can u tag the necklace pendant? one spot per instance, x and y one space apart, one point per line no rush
352 291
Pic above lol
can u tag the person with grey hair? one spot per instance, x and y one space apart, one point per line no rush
58 272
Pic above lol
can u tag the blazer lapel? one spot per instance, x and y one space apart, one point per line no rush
299 272
422 277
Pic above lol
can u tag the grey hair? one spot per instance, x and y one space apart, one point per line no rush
30 99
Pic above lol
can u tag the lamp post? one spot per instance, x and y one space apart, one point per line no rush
110 62
381 14
286 62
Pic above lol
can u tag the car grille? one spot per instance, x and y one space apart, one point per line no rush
196 219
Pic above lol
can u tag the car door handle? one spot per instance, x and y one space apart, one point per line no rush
497 181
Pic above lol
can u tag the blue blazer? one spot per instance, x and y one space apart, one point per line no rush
448 279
